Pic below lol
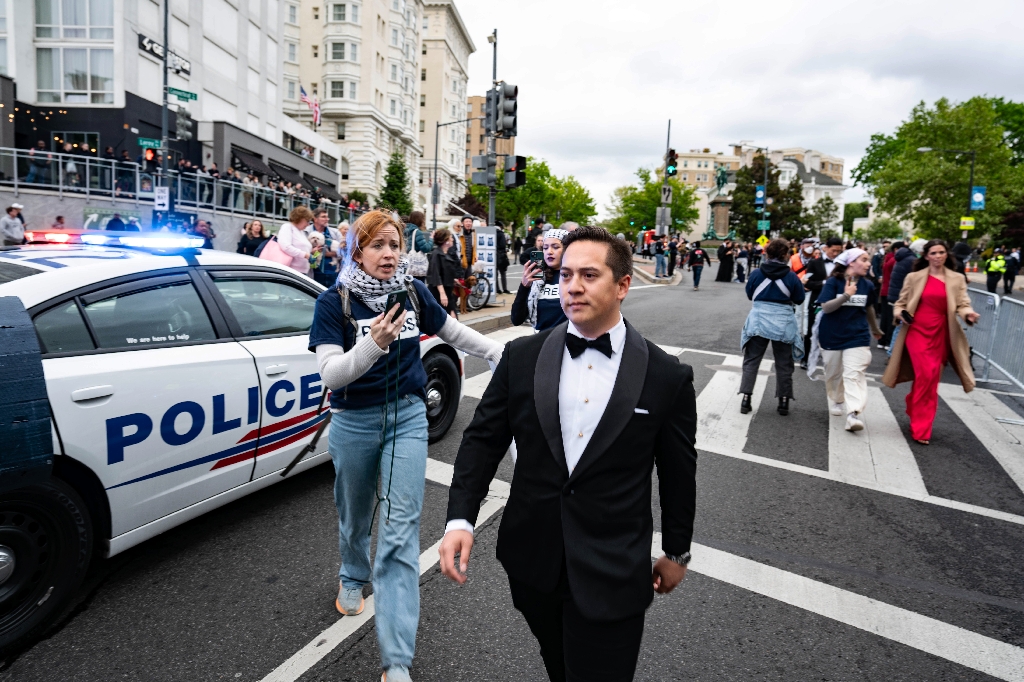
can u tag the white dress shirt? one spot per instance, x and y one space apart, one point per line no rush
584 389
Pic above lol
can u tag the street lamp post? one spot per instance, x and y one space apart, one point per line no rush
437 138
970 182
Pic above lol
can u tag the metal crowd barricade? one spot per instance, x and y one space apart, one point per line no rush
1007 349
94 177
982 334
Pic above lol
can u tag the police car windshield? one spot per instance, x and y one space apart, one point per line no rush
10 272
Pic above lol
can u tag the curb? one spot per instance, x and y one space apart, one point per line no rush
490 323
677 278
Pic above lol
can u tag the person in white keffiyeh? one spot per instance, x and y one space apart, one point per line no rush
370 360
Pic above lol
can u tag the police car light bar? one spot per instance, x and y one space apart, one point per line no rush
140 240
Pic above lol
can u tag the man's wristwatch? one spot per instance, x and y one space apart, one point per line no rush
681 559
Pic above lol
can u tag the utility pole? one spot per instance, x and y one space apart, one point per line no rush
164 116
663 223
491 134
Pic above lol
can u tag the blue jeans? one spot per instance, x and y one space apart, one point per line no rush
354 443
659 265
697 269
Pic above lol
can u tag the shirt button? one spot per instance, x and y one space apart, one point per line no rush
590 367
586 400
581 434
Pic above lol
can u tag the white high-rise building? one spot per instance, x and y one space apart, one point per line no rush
362 61
443 77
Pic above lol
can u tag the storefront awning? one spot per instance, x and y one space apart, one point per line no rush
287 174
251 162
324 187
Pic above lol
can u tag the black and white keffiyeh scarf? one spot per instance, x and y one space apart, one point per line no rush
372 291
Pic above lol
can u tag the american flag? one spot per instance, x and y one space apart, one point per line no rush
312 103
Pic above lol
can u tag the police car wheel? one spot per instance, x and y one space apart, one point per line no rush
45 548
442 391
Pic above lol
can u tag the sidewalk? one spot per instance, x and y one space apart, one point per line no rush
491 317
645 269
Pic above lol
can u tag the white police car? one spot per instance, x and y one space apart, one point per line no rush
177 382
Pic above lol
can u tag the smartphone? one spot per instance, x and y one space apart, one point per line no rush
907 317
537 257
399 297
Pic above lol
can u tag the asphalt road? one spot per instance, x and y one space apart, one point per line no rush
798 574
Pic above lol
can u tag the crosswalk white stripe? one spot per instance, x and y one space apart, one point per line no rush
324 643
893 461
877 455
979 410
963 647
720 426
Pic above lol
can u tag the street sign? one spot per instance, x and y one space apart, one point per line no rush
183 95
762 240
966 223
764 225
759 195
149 143
161 198
664 216
977 198
666 194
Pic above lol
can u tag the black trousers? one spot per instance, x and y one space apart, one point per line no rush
502 283
811 316
1008 280
672 262
885 312
993 281
752 354
574 648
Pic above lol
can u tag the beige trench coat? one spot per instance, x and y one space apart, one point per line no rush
958 302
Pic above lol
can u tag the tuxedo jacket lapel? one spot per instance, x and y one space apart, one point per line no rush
629 384
545 390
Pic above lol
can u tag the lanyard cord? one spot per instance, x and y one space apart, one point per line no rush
394 435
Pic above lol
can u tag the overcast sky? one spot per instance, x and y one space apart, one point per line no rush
598 80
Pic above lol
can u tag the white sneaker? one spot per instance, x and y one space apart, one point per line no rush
836 409
853 422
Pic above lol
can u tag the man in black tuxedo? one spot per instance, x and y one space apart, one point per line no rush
817 272
593 406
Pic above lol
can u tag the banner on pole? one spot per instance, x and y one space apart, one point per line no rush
977 198
759 195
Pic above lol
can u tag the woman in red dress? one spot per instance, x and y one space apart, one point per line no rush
928 337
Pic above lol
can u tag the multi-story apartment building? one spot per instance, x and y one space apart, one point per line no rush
443 77
697 167
361 60
90 73
821 174
476 135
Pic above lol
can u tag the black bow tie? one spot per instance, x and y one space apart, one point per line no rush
577 345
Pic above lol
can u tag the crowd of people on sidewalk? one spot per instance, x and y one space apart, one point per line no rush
918 291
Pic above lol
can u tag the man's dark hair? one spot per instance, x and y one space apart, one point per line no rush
834 241
619 258
896 246
696 245
317 212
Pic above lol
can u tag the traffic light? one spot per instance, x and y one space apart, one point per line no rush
490 107
671 163
485 171
183 124
515 171
506 120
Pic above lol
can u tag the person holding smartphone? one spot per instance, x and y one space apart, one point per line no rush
538 300
369 357
847 324
929 336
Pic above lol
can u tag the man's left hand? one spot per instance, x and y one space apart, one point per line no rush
666 575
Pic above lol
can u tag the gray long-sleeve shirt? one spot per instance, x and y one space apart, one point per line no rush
11 230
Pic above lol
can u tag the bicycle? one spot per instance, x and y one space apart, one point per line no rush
477 288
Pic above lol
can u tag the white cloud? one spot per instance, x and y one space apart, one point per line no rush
599 79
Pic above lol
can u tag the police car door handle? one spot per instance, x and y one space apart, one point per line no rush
271 370
91 393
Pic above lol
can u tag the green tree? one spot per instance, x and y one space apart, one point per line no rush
883 228
570 200
634 207
823 215
931 189
1010 115
852 211
395 193
785 211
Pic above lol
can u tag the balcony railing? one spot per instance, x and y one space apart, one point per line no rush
90 177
